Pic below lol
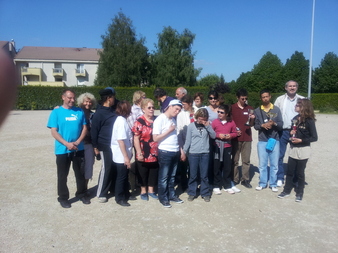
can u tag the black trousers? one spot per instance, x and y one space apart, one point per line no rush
147 173
222 170
63 165
298 167
107 174
121 185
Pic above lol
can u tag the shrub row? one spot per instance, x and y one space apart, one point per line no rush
46 98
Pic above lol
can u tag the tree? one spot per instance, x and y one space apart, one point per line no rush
296 68
326 75
267 74
209 80
124 59
173 60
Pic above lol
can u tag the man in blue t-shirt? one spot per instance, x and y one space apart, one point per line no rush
68 127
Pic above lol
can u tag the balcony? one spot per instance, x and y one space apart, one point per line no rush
80 72
58 72
31 71
37 83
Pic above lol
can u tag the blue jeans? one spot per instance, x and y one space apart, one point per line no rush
198 164
265 157
166 175
283 142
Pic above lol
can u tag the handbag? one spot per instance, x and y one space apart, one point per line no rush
270 145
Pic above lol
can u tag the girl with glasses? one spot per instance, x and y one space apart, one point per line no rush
225 129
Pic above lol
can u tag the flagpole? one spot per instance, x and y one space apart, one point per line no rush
311 49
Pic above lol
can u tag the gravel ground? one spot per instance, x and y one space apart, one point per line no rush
32 220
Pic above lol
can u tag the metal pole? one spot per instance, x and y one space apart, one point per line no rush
311 49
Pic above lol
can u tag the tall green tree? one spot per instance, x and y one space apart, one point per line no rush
173 60
124 59
209 80
325 77
296 68
267 74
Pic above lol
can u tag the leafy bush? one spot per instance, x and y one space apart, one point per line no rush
46 98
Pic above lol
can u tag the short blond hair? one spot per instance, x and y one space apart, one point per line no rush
145 102
137 97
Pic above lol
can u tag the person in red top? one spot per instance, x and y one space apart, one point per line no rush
243 115
146 150
225 130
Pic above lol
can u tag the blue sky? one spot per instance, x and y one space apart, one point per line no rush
231 35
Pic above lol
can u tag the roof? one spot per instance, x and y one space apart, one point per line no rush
3 43
58 53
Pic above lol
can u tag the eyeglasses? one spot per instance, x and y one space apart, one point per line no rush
151 107
244 99
297 105
220 112
212 98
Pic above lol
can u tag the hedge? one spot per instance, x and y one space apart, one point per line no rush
46 98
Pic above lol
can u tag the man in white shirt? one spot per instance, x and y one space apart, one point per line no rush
286 103
165 133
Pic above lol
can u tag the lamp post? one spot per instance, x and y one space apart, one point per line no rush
311 49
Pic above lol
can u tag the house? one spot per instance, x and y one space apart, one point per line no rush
57 66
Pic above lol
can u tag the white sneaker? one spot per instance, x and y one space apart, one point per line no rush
279 183
259 188
235 189
217 191
274 189
102 199
230 191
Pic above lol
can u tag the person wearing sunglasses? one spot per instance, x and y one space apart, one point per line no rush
213 105
146 150
225 129
300 150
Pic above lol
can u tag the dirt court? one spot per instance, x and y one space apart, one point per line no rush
31 219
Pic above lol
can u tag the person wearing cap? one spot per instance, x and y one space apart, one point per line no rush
68 127
165 133
161 96
101 131
116 101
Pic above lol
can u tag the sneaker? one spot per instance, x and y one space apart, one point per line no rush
279 183
177 200
153 195
299 198
282 195
235 189
206 198
144 196
230 191
191 198
166 204
259 188
274 189
217 191
102 199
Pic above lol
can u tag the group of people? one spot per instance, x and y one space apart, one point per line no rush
191 145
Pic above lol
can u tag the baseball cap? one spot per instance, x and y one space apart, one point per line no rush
174 102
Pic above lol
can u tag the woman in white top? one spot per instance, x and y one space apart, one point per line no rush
121 146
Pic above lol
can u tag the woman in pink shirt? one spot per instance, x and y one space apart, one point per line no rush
225 130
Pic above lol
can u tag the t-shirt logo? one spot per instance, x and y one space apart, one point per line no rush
72 117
